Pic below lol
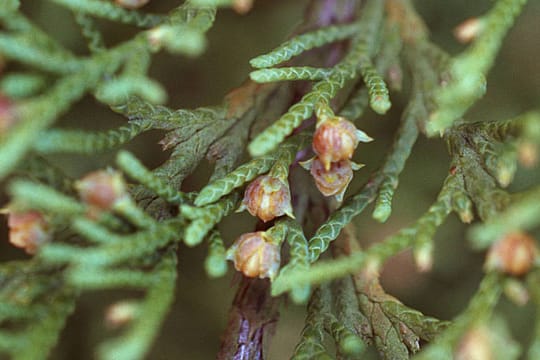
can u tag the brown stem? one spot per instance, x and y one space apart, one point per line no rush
252 321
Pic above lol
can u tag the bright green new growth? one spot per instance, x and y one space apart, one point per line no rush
304 42
290 73
355 60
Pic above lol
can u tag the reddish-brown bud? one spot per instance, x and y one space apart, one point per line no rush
102 188
335 139
7 114
28 230
268 197
131 4
335 180
255 255
513 254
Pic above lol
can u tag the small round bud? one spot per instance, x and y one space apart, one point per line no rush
156 36
255 255
268 197
131 4
395 77
527 154
102 188
7 114
242 6
476 344
335 139
468 30
28 230
513 254
120 313
333 181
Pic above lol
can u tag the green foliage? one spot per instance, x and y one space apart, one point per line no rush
468 70
325 90
343 59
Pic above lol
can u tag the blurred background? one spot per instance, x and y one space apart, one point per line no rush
194 325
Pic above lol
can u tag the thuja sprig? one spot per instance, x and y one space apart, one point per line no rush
113 12
215 263
358 100
299 259
401 148
73 86
356 103
249 171
396 330
311 343
468 70
37 168
85 142
119 89
322 320
348 343
191 142
90 32
297 45
37 305
391 168
348 308
203 219
135 342
479 309
135 169
120 249
532 285
290 73
364 50
373 256
522 214
21 85
33 195
30 45
23 135
482 187
414 113
325 90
